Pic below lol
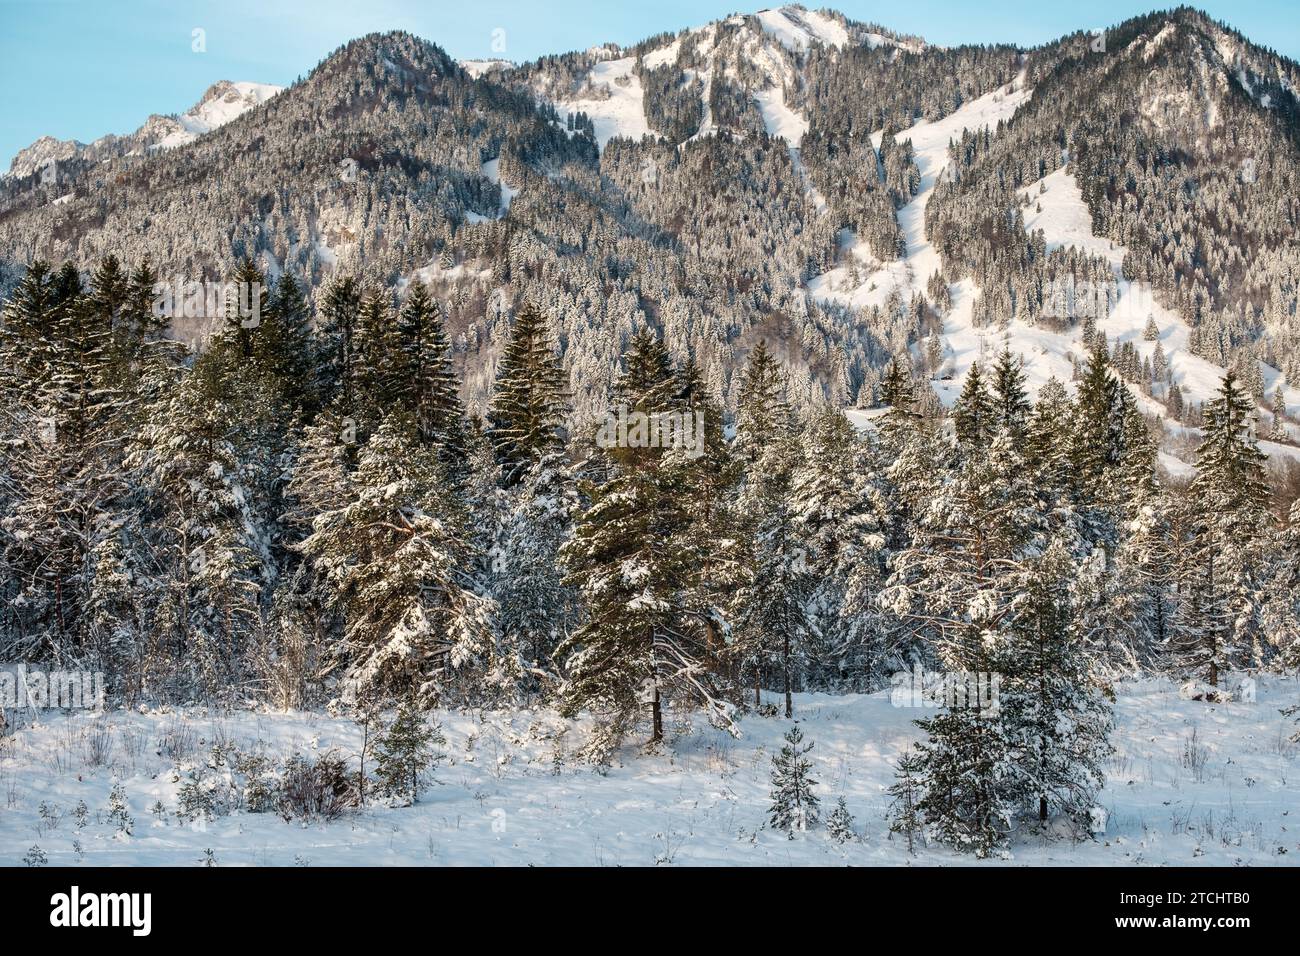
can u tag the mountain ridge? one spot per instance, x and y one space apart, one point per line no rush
760 176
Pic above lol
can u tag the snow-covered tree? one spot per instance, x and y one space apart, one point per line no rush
392 556
795 806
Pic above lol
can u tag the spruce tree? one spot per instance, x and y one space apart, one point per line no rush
762 413
906 793
528 406
1010 401
338 359
1097 437
1055 720
771 619
1222 577
392 557
842 535
1048 440
956 588
636 557
974 415
427 382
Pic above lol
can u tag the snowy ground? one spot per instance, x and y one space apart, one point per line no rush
1190 783
614 103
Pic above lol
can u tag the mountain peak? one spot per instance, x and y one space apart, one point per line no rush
222 102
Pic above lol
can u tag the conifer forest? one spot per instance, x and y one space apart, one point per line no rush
785 440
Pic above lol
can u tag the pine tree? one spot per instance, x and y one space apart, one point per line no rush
26 333
1279 432
405 752
1123 598
382 377
244 307
794 803
839 825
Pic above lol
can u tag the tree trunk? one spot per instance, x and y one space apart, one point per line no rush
789 706
657 712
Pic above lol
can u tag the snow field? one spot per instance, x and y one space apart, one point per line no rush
1190 783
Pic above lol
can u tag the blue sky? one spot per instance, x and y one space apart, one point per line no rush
82 68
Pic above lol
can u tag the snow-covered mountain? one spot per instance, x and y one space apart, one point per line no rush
852 193
223 102
41 153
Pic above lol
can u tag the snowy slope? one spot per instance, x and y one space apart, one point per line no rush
477 68
612 94
1065 220
1190 784
615 105
930 143
798 29
492 170
222 103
